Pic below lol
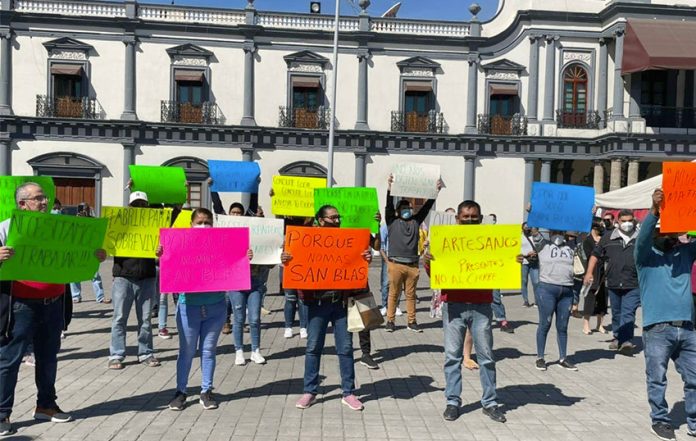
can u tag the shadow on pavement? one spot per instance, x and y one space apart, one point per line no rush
677 414
516 396
403 388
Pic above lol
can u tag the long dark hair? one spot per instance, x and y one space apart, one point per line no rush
322 211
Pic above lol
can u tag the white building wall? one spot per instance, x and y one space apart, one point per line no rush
347 99
29 74
107 79
271 85
383 91
451 93
152 79
506 199
227 74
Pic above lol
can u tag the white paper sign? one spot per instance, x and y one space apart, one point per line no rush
265 236
415 180
440 218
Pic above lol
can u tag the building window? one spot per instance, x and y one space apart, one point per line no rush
574 96
68 89
196 171
653 88
190 91
419 102
307 98
503 104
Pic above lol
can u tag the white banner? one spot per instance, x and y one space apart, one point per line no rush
415 180
440 218
265 236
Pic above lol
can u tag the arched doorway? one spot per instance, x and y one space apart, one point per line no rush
197 174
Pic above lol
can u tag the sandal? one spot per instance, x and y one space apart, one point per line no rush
151 362
115 364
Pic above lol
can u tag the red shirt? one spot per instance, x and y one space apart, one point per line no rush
477 296
24 289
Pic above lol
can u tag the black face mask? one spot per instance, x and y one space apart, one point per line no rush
469 222
609 225
664 243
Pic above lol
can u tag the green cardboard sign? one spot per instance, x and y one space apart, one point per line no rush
53 249
163 185
356 205
8 185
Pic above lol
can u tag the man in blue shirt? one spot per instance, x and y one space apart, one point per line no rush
664 275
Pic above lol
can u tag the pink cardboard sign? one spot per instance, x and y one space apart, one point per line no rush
204 260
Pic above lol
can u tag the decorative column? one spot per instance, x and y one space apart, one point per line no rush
363 57
469 178
471 95
598 177
529 164
533 88
545 170
633 165
5 155
618 109
5 71
360 160
129 79
248 114
634 102
602 83
549 77
128 159
615 174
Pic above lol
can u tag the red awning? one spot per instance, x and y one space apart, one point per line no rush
66 69
189 75
504 89
659 45
418 86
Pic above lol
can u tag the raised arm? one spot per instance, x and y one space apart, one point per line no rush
389 210
644 240
425 209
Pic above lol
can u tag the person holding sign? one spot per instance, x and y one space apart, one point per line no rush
134 282
664 273
30 312
324 306
468 310
404 225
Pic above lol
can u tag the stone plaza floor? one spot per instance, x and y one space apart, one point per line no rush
604 400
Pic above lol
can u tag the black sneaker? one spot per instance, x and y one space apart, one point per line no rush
367 361
178 402
540 364
208 401
663 431
6 428
494 413
451 412
526 305
626 349
414 327
614 345
390 327
565 364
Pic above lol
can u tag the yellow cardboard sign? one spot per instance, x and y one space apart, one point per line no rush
134 232
183 220
294 196
475 257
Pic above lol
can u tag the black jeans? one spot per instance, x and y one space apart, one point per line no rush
365 343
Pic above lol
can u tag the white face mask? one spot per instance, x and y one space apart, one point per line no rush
202 226
557 240
627 227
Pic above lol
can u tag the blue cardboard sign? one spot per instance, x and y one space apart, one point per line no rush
234 176
561 207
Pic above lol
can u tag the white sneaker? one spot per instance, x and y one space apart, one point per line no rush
398 312
257 358
383 311
303 332
239 358
288 333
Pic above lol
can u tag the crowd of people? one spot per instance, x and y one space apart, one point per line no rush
619 263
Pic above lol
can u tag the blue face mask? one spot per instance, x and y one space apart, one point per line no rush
406 213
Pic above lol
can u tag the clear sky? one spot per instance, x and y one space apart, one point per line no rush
456 10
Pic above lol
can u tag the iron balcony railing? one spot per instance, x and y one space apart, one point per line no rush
431 122
303 118
514 125
578 120
664 116
189 113
67 107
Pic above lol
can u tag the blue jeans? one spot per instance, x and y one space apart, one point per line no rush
199 326
457 318
124 293
662 342
527 272
292 304
261 281
498 307
624 303
246 303
30 320
384 283
319 315
76 289
553 299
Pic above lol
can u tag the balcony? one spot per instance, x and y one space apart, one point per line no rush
302 118
672 117
67 107
189 113
578 120
514 125
431 122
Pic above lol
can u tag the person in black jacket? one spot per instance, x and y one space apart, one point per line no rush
134 282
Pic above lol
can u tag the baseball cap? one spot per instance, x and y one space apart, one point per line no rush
137 195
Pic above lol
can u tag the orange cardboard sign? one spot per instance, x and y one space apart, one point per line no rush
679 184
326 258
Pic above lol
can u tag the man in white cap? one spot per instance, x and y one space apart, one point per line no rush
134 282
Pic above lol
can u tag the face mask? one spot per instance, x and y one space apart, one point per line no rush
468 222
406 213
627 227
608 224
664 243
203 226
571 242
55 211
557 240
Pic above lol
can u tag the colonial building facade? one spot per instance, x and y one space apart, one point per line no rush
598 95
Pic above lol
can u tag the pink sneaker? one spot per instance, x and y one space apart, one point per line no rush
352 402
305 401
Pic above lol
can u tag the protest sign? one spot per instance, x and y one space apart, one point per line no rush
52 249
204 260
134 232
183 219
265 235
415 180
678 213
561 207
356 205
163 185
294 196
326 258
475 257
440 218
234 176
8 185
